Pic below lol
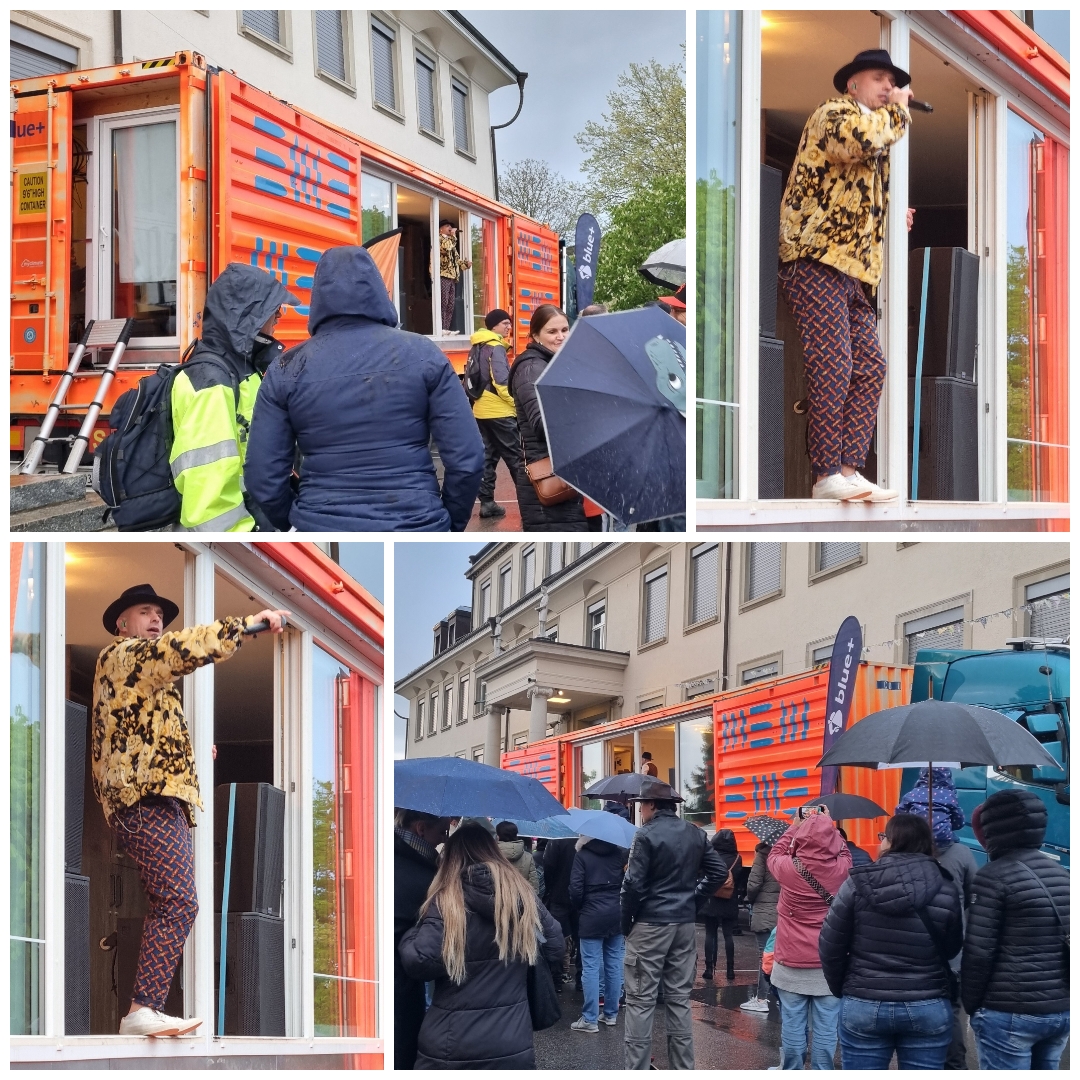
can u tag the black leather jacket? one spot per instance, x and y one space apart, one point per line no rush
672 867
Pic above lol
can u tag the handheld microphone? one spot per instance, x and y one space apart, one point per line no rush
920 106
259 627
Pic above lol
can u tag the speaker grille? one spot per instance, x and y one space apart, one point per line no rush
769 247
254 974
74 781
952 313
76 952
258 864
949 439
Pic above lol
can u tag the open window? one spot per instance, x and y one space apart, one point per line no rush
415 282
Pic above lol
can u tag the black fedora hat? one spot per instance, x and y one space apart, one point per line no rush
138 594
656 789
865 61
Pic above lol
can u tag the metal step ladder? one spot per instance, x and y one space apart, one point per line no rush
100 334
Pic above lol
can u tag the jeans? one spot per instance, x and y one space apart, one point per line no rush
1018 1040
764 983
822 1013
605 953
919 1032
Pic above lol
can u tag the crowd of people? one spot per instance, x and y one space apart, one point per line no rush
874 957
336 433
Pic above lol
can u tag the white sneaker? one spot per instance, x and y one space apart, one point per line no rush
584 1025
150 1022
877 494
611 1021
838 486
755 1004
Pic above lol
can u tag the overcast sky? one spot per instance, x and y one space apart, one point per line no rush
364 563
574 59
429 583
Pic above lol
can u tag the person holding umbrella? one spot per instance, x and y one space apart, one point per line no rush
479 930
885 948
548 329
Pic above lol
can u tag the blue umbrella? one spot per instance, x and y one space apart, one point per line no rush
455 787
552 828
600 825
614 402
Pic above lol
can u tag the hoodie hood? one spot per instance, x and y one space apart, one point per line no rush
818 840
479 888
512 849
237 306
484 336
723 842
1012 819
601 847
347 282
897 882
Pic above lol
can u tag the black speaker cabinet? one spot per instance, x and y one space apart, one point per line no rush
254 974
74 781
76 952
128 940
258 852
770 418
772 192
952 313
949 439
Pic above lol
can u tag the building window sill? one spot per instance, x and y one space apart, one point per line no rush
465 154
271 46
646 645
340 84
701 624
434 136
392 113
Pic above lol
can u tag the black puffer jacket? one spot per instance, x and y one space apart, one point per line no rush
558 864
1013 954
565 517
723 843
873 944
672 868
594 888
484 1023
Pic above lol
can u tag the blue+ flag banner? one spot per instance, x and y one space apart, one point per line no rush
843 669
586 258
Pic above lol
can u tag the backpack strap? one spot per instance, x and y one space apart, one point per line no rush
811 880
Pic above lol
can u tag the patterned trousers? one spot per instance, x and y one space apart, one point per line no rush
845 367
449 297
155 833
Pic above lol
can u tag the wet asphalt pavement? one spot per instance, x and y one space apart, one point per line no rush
725 1036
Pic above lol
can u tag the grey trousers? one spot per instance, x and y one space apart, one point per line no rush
659 953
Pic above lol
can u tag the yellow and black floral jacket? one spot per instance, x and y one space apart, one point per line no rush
140 741
449 258
838 192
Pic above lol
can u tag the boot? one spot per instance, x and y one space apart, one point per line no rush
708 973
491 509
731 971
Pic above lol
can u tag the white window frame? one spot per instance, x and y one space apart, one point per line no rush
99 210
648 575
506 577
750 666
526 587
420 732
448 707
282 48
464 703
694 552
897 31
590 608
484 599
348 84
745 601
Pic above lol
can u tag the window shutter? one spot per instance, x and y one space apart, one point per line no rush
656 605
433 718
420 718
27 63
265 23
555 554
382 62
764 574
448 707
836 554
703 582
461 115
425 92
528 571
1049 616
942 630
330 42
504 588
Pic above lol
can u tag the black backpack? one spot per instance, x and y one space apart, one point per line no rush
131 465
473 378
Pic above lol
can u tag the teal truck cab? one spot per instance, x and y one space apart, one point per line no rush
1029 682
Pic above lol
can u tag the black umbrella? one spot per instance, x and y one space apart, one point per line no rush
613 401
767 829
841 805
946 732
619 787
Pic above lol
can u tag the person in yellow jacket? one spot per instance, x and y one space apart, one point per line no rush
832 234
494 410
213 398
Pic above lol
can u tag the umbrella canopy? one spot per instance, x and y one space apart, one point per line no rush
618 788
601 825
552 828
767 829
667 265
944 732
841 805
455 787
613 401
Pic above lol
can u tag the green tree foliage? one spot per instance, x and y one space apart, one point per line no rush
1018 364
641 137
654 214
325 908
700 791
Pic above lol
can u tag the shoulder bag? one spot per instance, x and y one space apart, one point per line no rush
544 1006
550 489
812 881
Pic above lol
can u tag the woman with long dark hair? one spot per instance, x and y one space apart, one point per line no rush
479 930
548 329
722 913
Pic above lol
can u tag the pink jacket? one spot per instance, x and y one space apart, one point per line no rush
800 911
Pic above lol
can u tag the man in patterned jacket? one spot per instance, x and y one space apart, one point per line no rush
832 231
450 266
144 775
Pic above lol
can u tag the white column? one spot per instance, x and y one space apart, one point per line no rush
538 711
493 738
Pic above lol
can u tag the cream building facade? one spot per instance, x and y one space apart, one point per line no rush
563 636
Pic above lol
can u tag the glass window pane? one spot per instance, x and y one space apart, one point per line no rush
144 250
377 211
696 766
763 575
704 568
655 621
1036 315
342 884
836 554
717 171
482 236
592 768
460 94
266 23
27 749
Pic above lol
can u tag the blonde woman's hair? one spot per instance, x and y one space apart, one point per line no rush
517 917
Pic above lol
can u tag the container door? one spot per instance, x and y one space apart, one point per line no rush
535 253
285 188
40 231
